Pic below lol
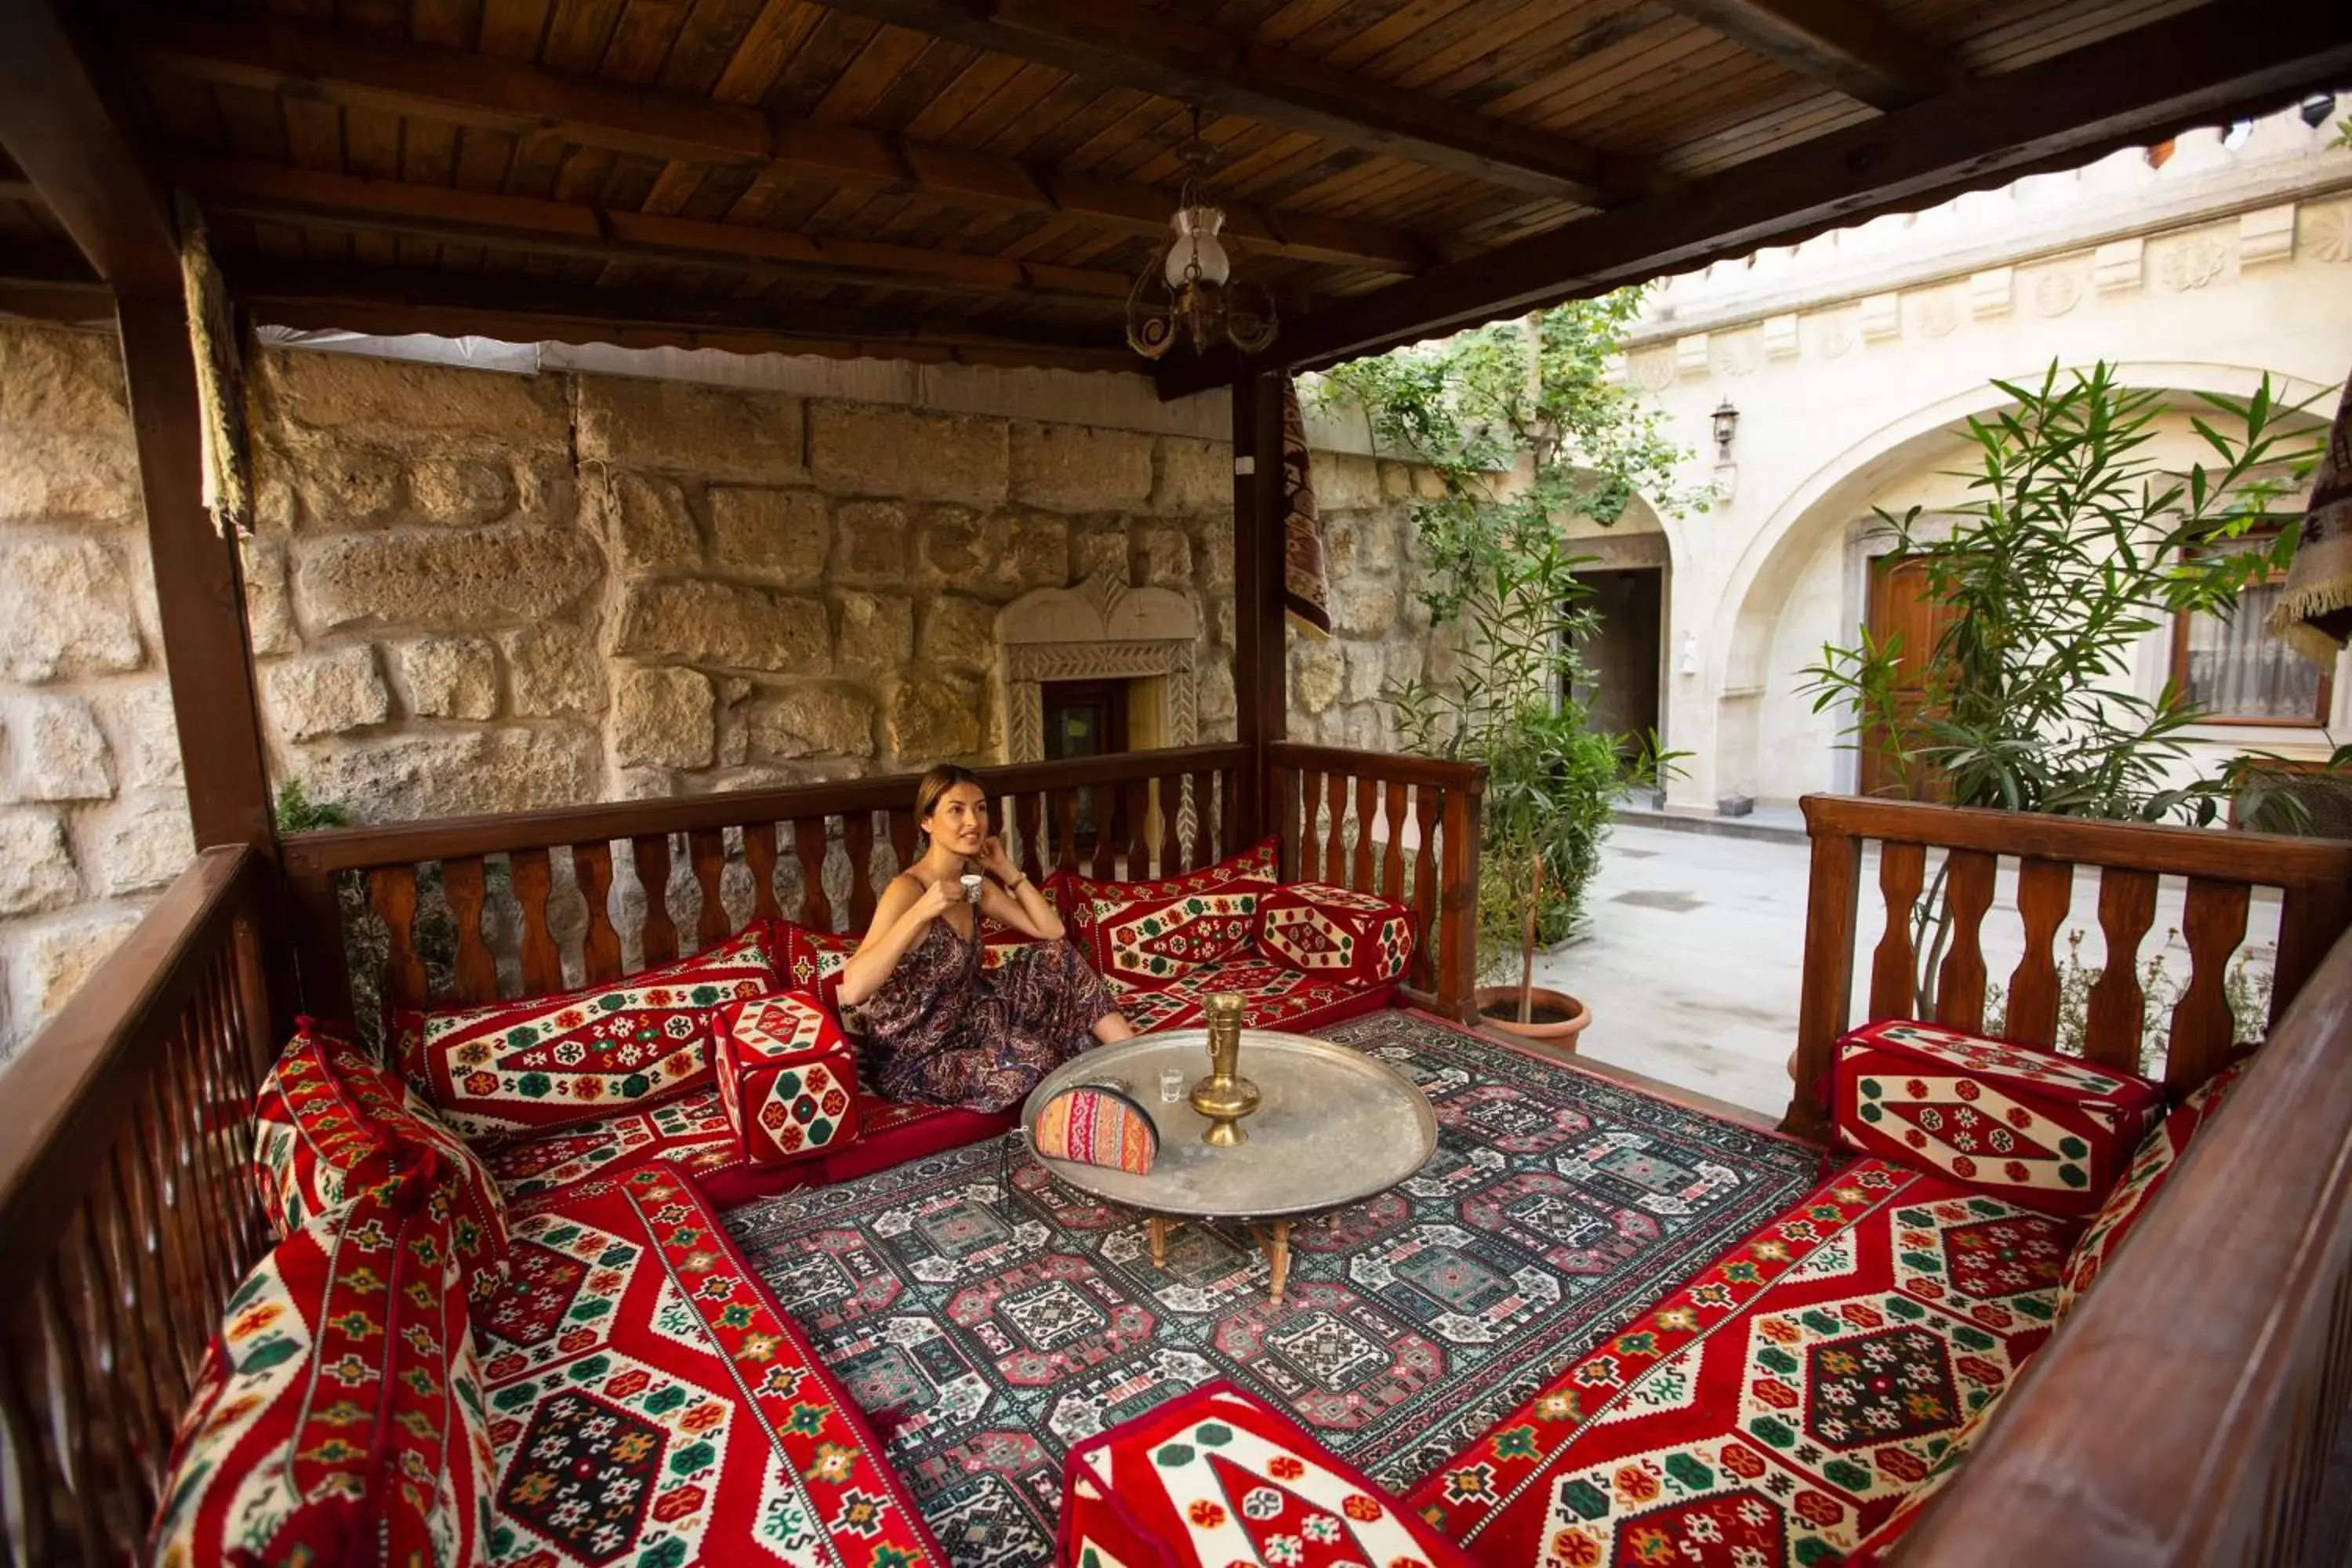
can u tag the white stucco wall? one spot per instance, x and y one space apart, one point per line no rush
1851 359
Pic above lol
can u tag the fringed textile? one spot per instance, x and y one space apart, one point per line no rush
2314 612
220 386
1304 591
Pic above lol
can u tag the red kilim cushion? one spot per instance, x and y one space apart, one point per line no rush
339 1402
650 1402
2049 1132
1149 933
812 960
787 1077
331 1118
2151 1167
1216 1479
543 1061
1335 932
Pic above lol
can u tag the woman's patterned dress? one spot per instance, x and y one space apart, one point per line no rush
945 1031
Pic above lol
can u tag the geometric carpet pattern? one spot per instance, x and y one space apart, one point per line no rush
987 1319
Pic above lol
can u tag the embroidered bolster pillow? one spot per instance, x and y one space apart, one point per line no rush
1096 1126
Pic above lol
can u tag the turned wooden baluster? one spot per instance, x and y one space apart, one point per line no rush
600 944
808 848
392 893
2046 890
1065 803
23 1449
534 883
1335 847
1359 876
760 859
1310 817
1029 817
1289 823
857 842
467 888
1967 893
705 849
660 935
1894 977
63 1378
902 836
1391 883
1136 806
2214 923
2112 1018
1201 850
1229 812
1105 801
1428 800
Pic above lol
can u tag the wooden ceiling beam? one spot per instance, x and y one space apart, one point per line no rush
467 88
62 133
1842 43
2213 63
565 229
530 310
1115 41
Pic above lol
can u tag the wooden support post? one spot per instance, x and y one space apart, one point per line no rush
1827 998
200 593
1261 658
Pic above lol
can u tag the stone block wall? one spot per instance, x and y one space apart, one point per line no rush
472 591
93 816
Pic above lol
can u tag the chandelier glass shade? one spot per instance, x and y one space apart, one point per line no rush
1187 293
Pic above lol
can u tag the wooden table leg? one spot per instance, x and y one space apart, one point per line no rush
1159 1232
1277 1257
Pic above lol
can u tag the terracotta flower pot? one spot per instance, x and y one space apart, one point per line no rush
1559 1018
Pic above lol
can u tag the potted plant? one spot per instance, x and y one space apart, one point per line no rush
1525 426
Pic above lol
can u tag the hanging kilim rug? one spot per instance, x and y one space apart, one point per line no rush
985 1324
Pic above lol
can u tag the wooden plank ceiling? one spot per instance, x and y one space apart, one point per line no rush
980 180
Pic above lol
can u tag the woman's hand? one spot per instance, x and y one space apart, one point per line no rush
936 900
996 862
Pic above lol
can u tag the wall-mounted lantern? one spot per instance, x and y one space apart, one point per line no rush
1727 426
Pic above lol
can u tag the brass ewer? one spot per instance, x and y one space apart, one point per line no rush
1224 1096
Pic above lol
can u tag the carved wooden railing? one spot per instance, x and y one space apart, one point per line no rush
2222 870
1404 827
535 901
128 1211
2196 1407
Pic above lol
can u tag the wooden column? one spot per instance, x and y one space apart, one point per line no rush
199 589
1260 658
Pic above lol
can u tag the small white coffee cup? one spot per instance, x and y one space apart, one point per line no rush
971 882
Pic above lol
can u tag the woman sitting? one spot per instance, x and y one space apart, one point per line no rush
941 1028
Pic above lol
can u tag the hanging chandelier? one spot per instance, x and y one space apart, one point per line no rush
1186 291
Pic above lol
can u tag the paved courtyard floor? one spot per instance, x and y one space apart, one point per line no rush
1694 949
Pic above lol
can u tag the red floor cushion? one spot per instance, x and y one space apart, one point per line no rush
1784 1403
2151 1168
1154 932
787 1078
1336 933
2050 1131
1218 1479
331 1118
809 960
340 1400
650 1402
521 1067
1274 996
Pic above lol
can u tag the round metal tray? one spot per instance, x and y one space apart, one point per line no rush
1335 1127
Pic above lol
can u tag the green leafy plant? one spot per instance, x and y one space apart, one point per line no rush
2072 546
297 813
1524 428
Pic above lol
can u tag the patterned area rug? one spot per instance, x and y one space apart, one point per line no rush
986 1324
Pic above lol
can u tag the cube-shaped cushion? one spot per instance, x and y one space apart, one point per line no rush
2042 1130
1317 929
788 1077
339 1403
1150 933
546 1062
331 1119
2151 1167
1216 1479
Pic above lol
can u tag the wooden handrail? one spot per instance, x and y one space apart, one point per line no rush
2193 1406
128 1210
2313 877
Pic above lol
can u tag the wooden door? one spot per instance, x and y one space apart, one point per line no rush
1899 604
